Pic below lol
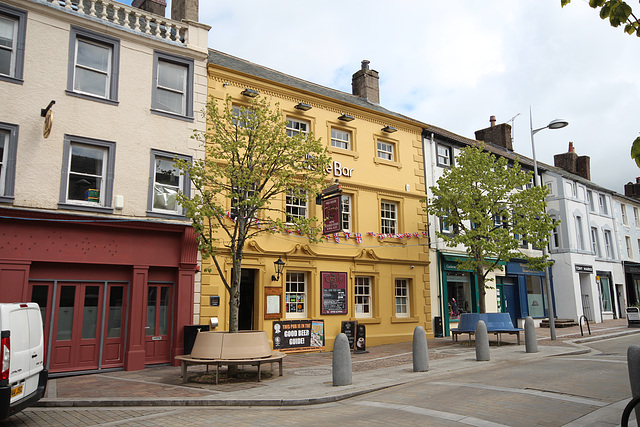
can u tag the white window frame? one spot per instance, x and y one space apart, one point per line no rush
296 206
347 212
555 238
362 297
389 217
595 242
623 212
386 150
183 183
602 203
186 106
608 244
8 155
80 35
108 150
636 217
579 233
341 138
591 201
444 155
402 293
295 280
627 240
296 126
16 61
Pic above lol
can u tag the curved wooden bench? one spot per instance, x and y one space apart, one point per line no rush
224 348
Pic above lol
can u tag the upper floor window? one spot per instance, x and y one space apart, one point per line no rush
389 216
549 186
386 150
555 238
627 240
608 244
347 213
295 126
623 212
8 151
595 242
13 26
636 217
88 180
173 85
602 202
296 205
93 65
579 235
167 182
340 139
590 201
444 155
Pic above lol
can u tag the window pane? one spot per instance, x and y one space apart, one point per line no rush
171 76
165 198
65 313
163 327
295 297
93 56
114 328
85 176
166 172
605 294
170 101
8 29
92 68
87 160
4 138
90 314
534 296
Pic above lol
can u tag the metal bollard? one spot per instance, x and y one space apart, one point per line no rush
482 342
420 350
530 340
341 361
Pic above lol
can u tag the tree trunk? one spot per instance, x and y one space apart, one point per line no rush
482 291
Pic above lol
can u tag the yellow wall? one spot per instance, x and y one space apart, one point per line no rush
372 180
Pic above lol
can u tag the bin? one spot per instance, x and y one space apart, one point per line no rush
190 333
437 327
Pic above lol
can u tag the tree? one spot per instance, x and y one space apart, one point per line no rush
618 12
485 203
251 160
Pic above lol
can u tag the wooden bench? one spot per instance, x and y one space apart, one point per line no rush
228 349
497 323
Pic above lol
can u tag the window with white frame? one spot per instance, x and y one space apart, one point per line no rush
595 242
444 155
579 235
602 203
296 205
88 180
608 244
296 126
402 298
389 217
627 240
296 295
445 225
636 217
167 182
93 65
362 297
172 85
8 151
591 202
386 150
13 24
340 139
347 213
241 194
623 212
555 238
549 186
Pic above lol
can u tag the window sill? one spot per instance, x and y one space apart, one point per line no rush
7 199
379 161
336 150
172 115
165 215
404 319
86 208
10 79
92 98
368 320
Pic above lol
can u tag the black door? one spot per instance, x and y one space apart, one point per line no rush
247 298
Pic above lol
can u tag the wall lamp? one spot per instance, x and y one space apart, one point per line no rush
279 265
250 93
302 106
345 118
389 129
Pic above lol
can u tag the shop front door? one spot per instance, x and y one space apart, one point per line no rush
158 327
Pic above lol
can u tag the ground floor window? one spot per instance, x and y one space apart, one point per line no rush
459 294
362 295
402 298
605 294
296 296
535 300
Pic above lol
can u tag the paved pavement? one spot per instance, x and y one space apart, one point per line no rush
307 377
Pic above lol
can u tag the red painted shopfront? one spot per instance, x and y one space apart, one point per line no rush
113 293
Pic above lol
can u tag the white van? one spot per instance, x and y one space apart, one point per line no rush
23 379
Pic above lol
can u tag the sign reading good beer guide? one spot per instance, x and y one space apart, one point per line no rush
298 335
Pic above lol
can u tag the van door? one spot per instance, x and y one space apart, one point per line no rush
19 337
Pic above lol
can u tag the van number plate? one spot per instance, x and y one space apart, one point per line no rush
15 391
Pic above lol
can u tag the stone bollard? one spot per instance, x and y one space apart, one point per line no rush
530 340
341 361
482 342
420 350
633 363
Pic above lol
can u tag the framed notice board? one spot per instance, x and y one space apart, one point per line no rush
272 303
334 292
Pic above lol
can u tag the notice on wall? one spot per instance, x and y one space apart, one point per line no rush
334 292
298 335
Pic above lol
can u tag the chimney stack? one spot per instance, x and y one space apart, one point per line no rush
571 162
365 83
153 6
184 10
633 189
499 135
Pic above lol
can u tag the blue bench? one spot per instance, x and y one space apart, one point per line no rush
497 323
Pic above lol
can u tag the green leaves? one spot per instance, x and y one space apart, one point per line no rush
635 151
617 11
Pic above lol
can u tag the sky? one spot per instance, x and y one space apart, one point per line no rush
455 63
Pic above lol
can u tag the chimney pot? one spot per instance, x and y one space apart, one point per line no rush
365 64
492 120
571 149
638 180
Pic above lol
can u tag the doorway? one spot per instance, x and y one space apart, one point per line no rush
510 296
247 300
159 323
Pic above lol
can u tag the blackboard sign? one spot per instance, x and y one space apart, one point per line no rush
361 335
334 292
349 329
298 335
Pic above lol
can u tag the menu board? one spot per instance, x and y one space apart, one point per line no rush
348 327
334 292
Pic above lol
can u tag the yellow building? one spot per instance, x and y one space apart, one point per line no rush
375 271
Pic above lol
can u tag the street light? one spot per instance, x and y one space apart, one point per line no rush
553 124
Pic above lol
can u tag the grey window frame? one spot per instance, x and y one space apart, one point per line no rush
11 151
186 184
450 157
189 86
21 18
114 44
110 146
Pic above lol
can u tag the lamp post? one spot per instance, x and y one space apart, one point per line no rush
554 124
